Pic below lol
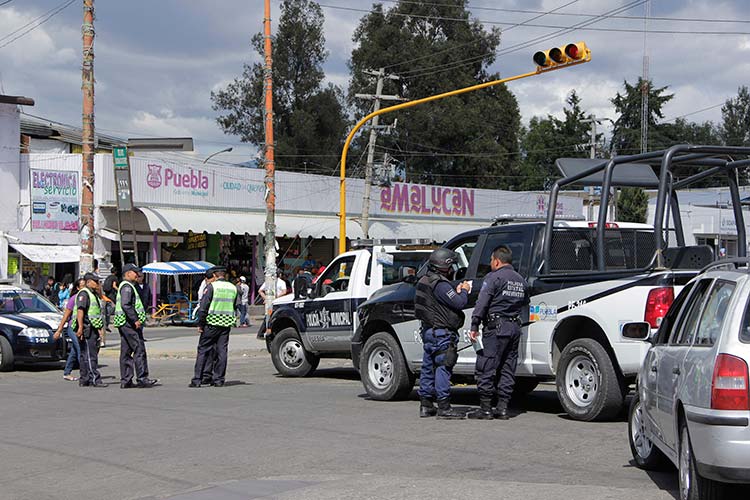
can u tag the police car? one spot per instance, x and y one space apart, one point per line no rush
322 324
27 325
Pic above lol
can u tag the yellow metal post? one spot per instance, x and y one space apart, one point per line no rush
410 104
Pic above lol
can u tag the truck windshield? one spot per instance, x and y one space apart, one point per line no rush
392 273
22 301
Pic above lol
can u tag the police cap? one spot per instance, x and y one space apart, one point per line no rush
92 277
131 267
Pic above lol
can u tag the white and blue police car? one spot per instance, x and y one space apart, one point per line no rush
27 324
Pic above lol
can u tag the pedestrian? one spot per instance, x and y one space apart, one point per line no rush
63 294
144 290
215 320
130 315
439 306
503 297
281 288
48 290
66 324
109 290
309 262
300 285
88 321
244 295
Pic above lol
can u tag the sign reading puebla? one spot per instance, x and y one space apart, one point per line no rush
427 200
190 182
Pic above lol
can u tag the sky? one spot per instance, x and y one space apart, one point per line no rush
157 61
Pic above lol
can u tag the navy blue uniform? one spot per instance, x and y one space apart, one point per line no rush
89 361
435 374
504 295
133 359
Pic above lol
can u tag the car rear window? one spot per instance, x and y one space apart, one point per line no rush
714 313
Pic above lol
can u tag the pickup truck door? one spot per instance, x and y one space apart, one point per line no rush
328 317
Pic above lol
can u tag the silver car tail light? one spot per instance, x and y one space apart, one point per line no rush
729 389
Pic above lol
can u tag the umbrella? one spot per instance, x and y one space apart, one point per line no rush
175 268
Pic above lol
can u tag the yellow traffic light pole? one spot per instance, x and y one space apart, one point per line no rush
544 65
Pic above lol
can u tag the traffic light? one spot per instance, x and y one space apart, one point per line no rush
558 56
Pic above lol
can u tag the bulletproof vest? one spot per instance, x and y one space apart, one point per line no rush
431 312
221 309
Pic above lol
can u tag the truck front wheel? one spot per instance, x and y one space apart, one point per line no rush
383 369
587 384
289 355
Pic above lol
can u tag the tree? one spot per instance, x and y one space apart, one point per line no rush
309 118
550 138
626 136
469 140
735 114
632 205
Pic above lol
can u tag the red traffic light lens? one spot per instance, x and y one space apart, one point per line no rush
540 58
572 51
557 55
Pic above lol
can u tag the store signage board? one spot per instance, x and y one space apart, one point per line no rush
120 157
54 200
123 185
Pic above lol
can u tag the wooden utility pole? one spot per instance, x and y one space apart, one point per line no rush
270 170
87 141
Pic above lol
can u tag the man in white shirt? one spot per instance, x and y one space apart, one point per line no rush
244 296
280 288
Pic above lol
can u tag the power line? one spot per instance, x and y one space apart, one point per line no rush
49 14
694 112
573 14
506 23
6 2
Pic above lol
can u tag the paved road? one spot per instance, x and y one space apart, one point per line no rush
265 436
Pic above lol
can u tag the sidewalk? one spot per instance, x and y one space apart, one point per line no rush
181 342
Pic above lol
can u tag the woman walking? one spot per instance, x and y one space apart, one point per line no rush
75 348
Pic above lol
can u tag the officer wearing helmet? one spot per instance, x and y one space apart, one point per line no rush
439 306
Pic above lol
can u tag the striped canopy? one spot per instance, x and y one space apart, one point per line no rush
172 268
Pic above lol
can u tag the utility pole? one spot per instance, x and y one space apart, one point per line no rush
377 97
590 189
645 81
86 263
270 181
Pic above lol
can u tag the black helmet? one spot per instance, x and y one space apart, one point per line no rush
443 259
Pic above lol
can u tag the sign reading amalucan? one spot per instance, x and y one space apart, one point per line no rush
54 200
124 191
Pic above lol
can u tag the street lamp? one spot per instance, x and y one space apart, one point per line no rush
227 150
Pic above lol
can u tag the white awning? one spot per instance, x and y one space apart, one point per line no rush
198 221
437 231
49 253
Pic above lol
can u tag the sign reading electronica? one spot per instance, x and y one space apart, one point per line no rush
54 200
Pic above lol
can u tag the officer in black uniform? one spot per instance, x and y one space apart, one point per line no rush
129 316
89 319
503 297
439 305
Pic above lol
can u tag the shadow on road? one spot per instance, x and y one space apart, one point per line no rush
39 367
336 373
664 480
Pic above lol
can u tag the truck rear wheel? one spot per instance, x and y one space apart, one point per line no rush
289 355
383 369
587 384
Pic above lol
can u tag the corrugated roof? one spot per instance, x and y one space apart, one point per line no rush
36 126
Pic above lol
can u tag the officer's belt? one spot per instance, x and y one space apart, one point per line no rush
495 320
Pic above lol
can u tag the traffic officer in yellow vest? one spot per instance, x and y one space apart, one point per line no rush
87 321
130 315
215 319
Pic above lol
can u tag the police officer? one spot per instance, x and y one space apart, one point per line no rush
439 305
503 296
130 315
215 320
87 321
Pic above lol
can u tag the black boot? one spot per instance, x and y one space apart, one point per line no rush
484 412
426 408
445 411
501 412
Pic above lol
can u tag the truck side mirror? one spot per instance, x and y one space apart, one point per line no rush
636 331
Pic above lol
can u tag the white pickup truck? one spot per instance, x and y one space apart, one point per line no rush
322 324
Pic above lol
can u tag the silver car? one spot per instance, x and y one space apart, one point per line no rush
692 404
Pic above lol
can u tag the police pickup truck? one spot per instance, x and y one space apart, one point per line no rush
305 329
586 281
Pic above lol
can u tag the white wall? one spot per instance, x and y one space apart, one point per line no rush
10 142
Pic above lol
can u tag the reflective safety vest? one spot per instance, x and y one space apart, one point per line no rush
221 310
94 313
120 318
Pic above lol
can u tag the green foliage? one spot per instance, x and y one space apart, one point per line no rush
626 136
469 140
309 119
632 205
735 127
550 138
